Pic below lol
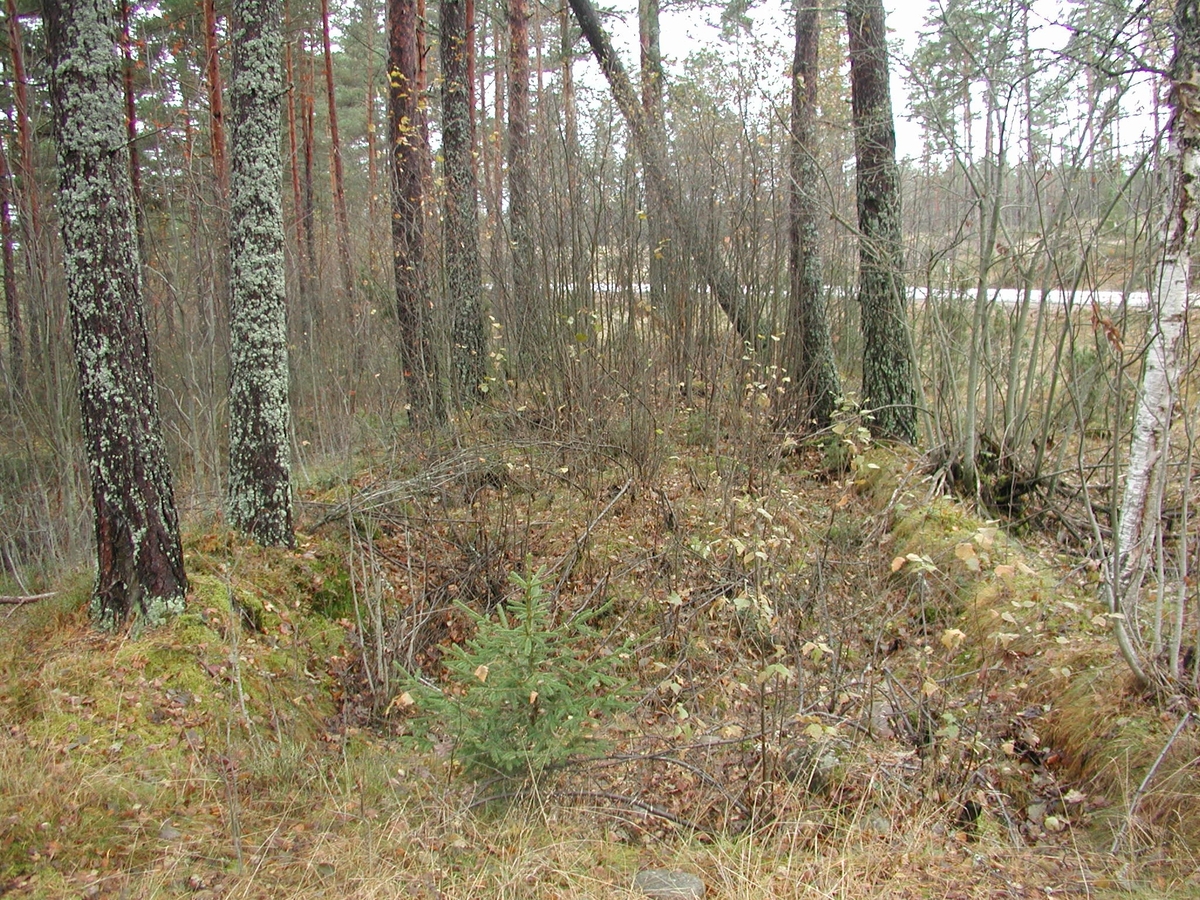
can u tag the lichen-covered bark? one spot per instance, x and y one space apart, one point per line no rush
889 374
259 501
140 561
463 268
413 308
1141 505
808 347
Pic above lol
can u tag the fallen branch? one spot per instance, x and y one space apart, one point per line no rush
22 600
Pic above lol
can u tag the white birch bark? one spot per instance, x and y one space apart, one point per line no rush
1141 505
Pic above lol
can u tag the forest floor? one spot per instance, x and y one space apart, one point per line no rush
841 684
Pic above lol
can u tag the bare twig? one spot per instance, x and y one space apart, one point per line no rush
21 600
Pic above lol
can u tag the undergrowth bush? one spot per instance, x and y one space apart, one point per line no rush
524 695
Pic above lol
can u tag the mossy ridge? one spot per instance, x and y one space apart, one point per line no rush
126 727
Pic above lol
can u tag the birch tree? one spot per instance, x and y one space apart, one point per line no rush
260 497
1139 526
140 573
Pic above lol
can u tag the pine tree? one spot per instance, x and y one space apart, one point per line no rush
140 573
463 269
889 373
260 498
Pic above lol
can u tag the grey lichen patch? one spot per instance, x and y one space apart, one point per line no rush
259 500
140 562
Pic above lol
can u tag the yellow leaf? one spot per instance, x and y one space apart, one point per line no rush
952 638
404 701
481 672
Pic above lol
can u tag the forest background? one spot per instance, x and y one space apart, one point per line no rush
1035 185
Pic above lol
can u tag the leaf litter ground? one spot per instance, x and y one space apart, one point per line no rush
842 686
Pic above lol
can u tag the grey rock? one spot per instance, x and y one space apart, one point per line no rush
664 884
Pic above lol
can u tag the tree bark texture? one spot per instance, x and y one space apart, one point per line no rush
12 302
652 107
461 234
1145 478
336 171
889 374
413 309
527 317
808 345
131 129
259 500
216 101
294 166
713 269
25 193
140 572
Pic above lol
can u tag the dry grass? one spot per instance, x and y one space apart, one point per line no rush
236 753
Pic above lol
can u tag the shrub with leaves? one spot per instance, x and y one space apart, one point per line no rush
520 695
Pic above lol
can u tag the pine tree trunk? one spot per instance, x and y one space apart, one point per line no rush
216 101
808 346
337 174
652 107
131 130
413 310
12 302
580 276
889 374
461 232
26 194
369 115
527 324
140 572
294 168
259 498
308 213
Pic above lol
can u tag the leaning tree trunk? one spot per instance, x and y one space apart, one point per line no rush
463 267
260 495
686 232
1138 531
808 345
889 374
140 574
408 218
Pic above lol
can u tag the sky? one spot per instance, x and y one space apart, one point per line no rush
684 31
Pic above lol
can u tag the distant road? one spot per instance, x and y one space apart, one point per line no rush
1013 296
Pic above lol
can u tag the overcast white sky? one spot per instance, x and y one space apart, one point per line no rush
683 32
